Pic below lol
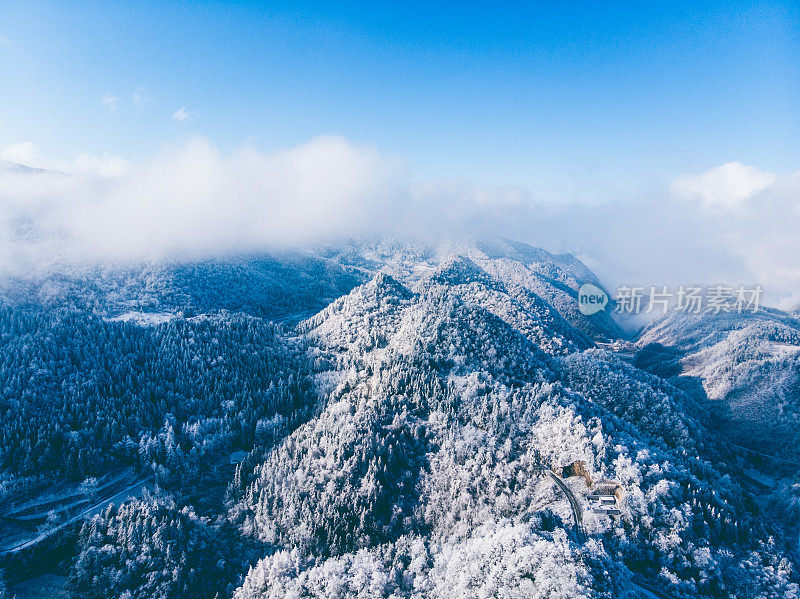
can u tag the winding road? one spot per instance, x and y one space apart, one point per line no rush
577 512
131 492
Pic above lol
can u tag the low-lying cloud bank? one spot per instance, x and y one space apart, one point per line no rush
733 224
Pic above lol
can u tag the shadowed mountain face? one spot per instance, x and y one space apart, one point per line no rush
274 286
749 364
398 426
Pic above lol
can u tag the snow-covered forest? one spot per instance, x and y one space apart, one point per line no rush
387 420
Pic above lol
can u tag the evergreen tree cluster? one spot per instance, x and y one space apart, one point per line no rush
80 394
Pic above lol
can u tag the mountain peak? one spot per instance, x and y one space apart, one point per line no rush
23 169
383 285
456 269
380 298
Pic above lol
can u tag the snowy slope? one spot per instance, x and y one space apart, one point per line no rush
400 424
424 474
750 363
552 278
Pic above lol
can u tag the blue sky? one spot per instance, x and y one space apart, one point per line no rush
590 101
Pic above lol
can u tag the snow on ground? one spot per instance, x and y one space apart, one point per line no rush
144 319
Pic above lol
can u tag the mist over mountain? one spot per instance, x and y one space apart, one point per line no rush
384 418
733 223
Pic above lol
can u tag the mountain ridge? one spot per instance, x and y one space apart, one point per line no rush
397 423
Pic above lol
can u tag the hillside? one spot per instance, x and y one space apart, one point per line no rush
749 364
397 441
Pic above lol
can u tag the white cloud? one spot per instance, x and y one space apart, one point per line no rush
26 154
95 166
21 153
181 114
194 200
109 102
725 186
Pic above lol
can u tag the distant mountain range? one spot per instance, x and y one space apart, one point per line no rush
749 364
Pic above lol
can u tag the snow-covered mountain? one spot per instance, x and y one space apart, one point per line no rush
6 166
749 364
402 426
425 472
